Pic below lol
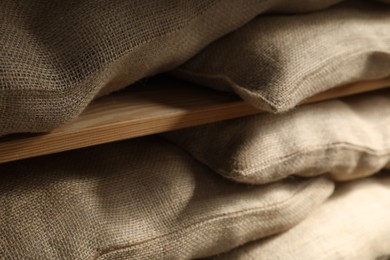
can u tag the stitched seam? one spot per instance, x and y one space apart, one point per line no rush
232 84
335 145
296 86
243 172
295 155
222 216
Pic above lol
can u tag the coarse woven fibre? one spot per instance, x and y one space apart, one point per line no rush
345 138
277 61
352 224
139 199
57 56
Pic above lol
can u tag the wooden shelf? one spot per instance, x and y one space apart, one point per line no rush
159 105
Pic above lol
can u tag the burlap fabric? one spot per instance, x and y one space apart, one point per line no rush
56 56
275 62
139 199
353 224
347 138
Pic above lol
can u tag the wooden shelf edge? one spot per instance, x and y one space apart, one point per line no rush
163 106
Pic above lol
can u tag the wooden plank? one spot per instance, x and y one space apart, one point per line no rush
159 105
350 89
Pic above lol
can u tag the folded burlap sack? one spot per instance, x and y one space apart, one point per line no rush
352 224
276 61
348 138
56 56
139 199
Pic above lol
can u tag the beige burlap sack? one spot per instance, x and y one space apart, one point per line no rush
56 56
353 224
276 61
139 199
348 138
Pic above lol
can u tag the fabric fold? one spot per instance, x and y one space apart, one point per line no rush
56 57
277 61
139 199
352 224
346 138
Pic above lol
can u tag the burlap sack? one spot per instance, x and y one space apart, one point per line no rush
347 138
275 62
353 224
139 199
56 56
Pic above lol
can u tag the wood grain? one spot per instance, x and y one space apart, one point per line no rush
159 105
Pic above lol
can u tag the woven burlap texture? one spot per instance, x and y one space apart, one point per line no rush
56 56
347 138
139 199
353 224
275 62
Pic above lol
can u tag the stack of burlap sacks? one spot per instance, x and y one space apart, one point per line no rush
307 182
